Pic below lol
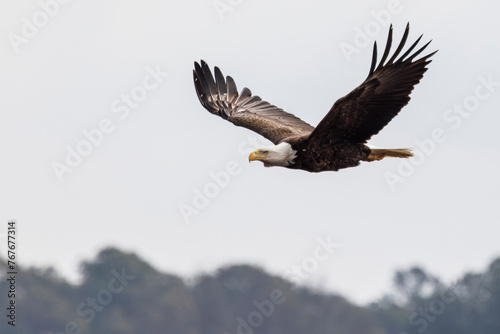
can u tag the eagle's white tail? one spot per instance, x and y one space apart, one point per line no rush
380 153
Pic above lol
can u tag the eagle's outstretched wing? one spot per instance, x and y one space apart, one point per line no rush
372 105
220 97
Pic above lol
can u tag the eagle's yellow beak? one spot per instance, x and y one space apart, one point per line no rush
254 156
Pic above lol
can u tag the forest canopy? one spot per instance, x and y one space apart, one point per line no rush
122 293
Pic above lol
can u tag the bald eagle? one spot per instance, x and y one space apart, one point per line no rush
339 140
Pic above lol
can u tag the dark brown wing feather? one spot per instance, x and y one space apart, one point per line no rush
362 113
221 98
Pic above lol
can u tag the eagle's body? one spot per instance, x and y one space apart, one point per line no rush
339 140
328 157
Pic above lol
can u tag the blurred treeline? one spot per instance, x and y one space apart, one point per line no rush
121 294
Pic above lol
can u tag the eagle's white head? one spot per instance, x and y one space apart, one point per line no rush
278 155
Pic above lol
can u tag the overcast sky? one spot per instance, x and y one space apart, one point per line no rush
103 140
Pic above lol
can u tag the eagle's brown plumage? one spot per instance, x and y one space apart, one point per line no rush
339 139
221 98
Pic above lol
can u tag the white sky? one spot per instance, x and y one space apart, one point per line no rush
71 74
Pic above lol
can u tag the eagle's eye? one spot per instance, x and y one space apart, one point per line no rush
265 152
